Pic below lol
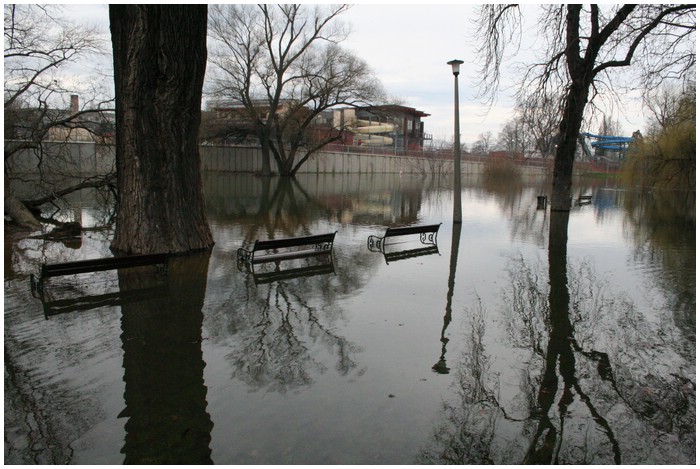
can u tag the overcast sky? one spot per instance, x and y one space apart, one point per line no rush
408 47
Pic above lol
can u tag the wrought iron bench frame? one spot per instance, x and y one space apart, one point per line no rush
261 251
584 199
428 235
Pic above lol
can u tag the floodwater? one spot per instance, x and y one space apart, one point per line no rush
504 345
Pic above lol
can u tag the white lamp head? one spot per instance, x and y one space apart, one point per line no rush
455 66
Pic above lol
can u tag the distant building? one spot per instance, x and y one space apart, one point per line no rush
60 124
231 122
394 126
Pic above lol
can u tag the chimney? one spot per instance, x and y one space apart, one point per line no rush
74 104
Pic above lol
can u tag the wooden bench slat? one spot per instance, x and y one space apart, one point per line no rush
92 265
108 263
85 303
292 242
408 230
395 256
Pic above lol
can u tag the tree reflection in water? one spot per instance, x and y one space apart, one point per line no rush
165 392
662 225
599 386
277 333
276 326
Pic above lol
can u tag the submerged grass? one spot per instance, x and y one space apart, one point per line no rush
501 171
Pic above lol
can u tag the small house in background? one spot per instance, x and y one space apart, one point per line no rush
231 122
392 126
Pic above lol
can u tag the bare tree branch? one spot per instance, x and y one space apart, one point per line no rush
287 69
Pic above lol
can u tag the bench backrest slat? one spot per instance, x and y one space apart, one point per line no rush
292 242
407 230
94 265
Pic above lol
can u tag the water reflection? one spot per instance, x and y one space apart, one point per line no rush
546 443
278 330
466 434
288 206
590 368
441 365
585 356
165 396
663 228
278 321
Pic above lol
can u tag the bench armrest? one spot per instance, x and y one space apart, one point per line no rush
244 255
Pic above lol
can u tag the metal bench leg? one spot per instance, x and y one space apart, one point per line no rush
37 286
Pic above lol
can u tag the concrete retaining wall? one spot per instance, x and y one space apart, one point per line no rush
88 159
248 160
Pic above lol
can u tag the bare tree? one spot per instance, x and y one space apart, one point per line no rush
514 137
483 144
584 49
666 105
39 45
540 116
282 64
160 55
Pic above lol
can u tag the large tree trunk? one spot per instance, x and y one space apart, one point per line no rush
566 151
159 62
286 168
581 74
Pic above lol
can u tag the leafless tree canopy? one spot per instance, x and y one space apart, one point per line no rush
39 45
656 41
585 49
283 64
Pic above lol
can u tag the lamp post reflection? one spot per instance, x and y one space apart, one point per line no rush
441 366
165 394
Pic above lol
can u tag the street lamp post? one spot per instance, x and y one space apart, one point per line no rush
457 216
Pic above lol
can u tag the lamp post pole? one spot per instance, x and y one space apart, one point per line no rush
457 215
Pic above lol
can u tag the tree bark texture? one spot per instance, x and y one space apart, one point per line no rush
159 62
570 126
581 76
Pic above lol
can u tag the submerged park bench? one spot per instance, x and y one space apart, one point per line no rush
272 250
584 199
93 265
428 235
